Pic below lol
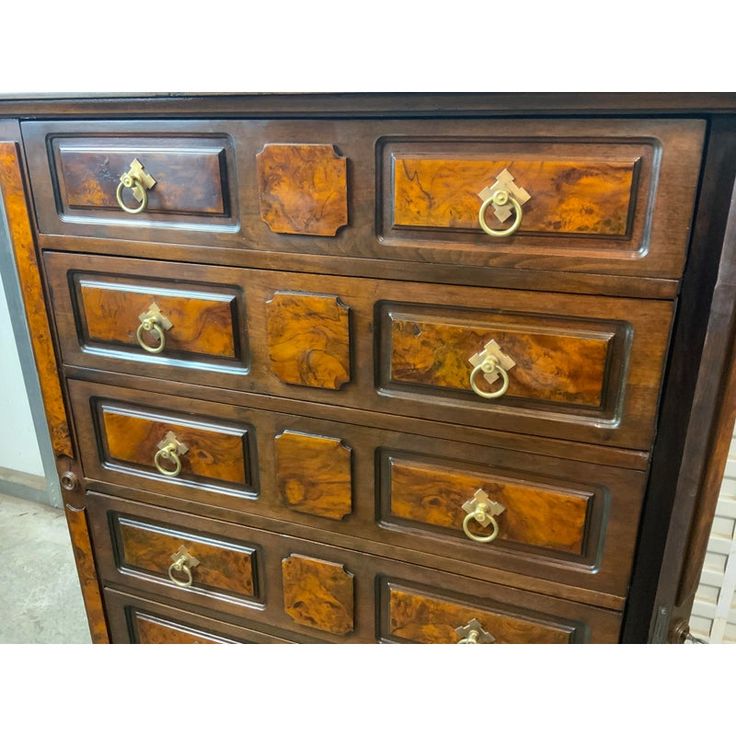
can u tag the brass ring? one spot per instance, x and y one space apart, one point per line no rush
500 198
180 567
154 327
471 638
488 538
483 367
166 453
134 184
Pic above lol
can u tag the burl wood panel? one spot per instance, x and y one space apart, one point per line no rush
223 565
76 520
201 323
318 594
313 474
558 367
534 515
217 453
21 240
189 175
425 619
151 630
309 339
303 188
584 196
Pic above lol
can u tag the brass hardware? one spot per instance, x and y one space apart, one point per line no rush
483 510
183 562
139 182
474 633
169 450
153 321
493 363
69 481
506 197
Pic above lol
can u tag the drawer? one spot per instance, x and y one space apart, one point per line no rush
578 367
563 520
594 196
331 593
136 620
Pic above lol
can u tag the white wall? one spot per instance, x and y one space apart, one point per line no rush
18 445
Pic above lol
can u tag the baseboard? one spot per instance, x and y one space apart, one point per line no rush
24 485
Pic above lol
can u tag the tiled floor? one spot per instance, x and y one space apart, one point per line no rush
40 600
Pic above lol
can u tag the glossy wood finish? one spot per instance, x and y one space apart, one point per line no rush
301 332
422 618
318 594
76 519
225 568
137 620
303 188
313 474
535 516
370 574
544 538
567 197
309 339
21 240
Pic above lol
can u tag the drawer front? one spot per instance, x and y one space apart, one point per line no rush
595 196
564 520
579 367
137 620
339 595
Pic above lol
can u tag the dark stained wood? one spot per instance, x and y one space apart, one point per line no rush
76 519
425 619
309 339
218 453
189 174
201 323
318 594
224 567
584 196
313 474
21 241
303 188
555 367
534 516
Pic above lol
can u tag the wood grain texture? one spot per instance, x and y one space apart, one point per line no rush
224 567
425 619
151 630
76 519
561 368
309 339
188 174
302 188
201 323
215 452
535 515
313 474
584 196
318 594
21 240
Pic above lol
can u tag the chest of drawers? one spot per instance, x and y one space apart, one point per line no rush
451 372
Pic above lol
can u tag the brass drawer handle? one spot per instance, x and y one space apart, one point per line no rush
182 563
139 182
481 509
493 364
152 321
505 196
169 451
474 633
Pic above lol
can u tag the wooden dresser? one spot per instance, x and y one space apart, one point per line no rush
396 368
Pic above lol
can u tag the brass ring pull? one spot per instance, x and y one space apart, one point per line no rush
474 633
480 515
488 366
483 510
168 453
500 198
151 325
139 192
182 564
